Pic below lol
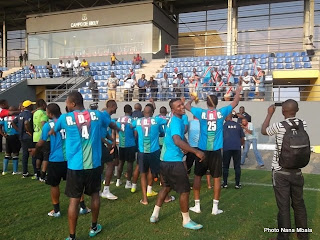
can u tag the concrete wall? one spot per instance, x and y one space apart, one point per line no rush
19 93
258 112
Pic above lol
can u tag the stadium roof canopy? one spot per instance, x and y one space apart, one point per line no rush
14 12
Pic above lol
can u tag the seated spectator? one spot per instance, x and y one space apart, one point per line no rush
247 83
76 66
112 86
138 59
33 72
153 85
85 68
61 65
113 59
49 67
69 68
64 70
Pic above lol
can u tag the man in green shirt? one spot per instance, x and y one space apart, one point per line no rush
39 119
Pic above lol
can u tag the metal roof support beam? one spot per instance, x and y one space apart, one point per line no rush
4 44
308 24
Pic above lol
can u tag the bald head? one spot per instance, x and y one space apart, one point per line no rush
290 108
148 111
138 107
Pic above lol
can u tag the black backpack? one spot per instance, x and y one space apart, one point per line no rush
295 151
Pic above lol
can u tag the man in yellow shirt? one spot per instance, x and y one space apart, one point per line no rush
113 59
85 67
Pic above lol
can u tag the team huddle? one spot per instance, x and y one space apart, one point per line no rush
76 145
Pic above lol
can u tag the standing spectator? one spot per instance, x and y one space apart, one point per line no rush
129 86
85 68
164 87
219 88
255 65
113 59
175 74
215 74
287 183
233 139
76 66
84 170
33 71
246 82
230 76
242 114
251 138
153 85
69 68
193 81
206 75
260 79
24 127
112 86
132 74
21 60
93 86
229 92
142 84
50 70
25 58
177 85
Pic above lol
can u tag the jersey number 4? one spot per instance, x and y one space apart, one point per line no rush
84 132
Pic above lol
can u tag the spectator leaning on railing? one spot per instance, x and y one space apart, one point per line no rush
112 86
142 84
69 68
163 87
153 85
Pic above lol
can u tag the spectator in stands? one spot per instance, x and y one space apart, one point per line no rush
229 92
177 85
21 60
250 138
214 75
50 70
175 73
230 76
33 72
93 86
129 86
241 115
76 66
69 68
219 88
61 65
193 81
85 68
153 85
257 77
261 89
112 86
142 84
25 58
246 82
206 75
132 74
113 59
164 87
137 60
255 65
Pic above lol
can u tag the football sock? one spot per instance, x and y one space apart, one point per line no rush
106 189
5 164
15 164
149 189
185 217
156 211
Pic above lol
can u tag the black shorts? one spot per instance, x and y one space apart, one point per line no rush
212 162
149 160
83 181
13 144
44 152
105 156
175 176
191 157
56 171
127 154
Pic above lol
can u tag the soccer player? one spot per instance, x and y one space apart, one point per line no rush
127 146
148 129
163 114
13 144
39 119
83 152
172 168
107 155
22 124
211 142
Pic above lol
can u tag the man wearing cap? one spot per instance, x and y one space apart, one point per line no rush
23 125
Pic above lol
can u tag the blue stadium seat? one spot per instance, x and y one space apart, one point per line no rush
271 60
307 65
271 65
289 66
279 55
296 54
264 55
280 66
251 95
263 66
247 61
288 54
248 56
279 60
297 59
288 60
305 59
297 65
303 54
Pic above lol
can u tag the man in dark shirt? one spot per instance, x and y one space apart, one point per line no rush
23 124
233 138
137 113
142 83
93 86
242 114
